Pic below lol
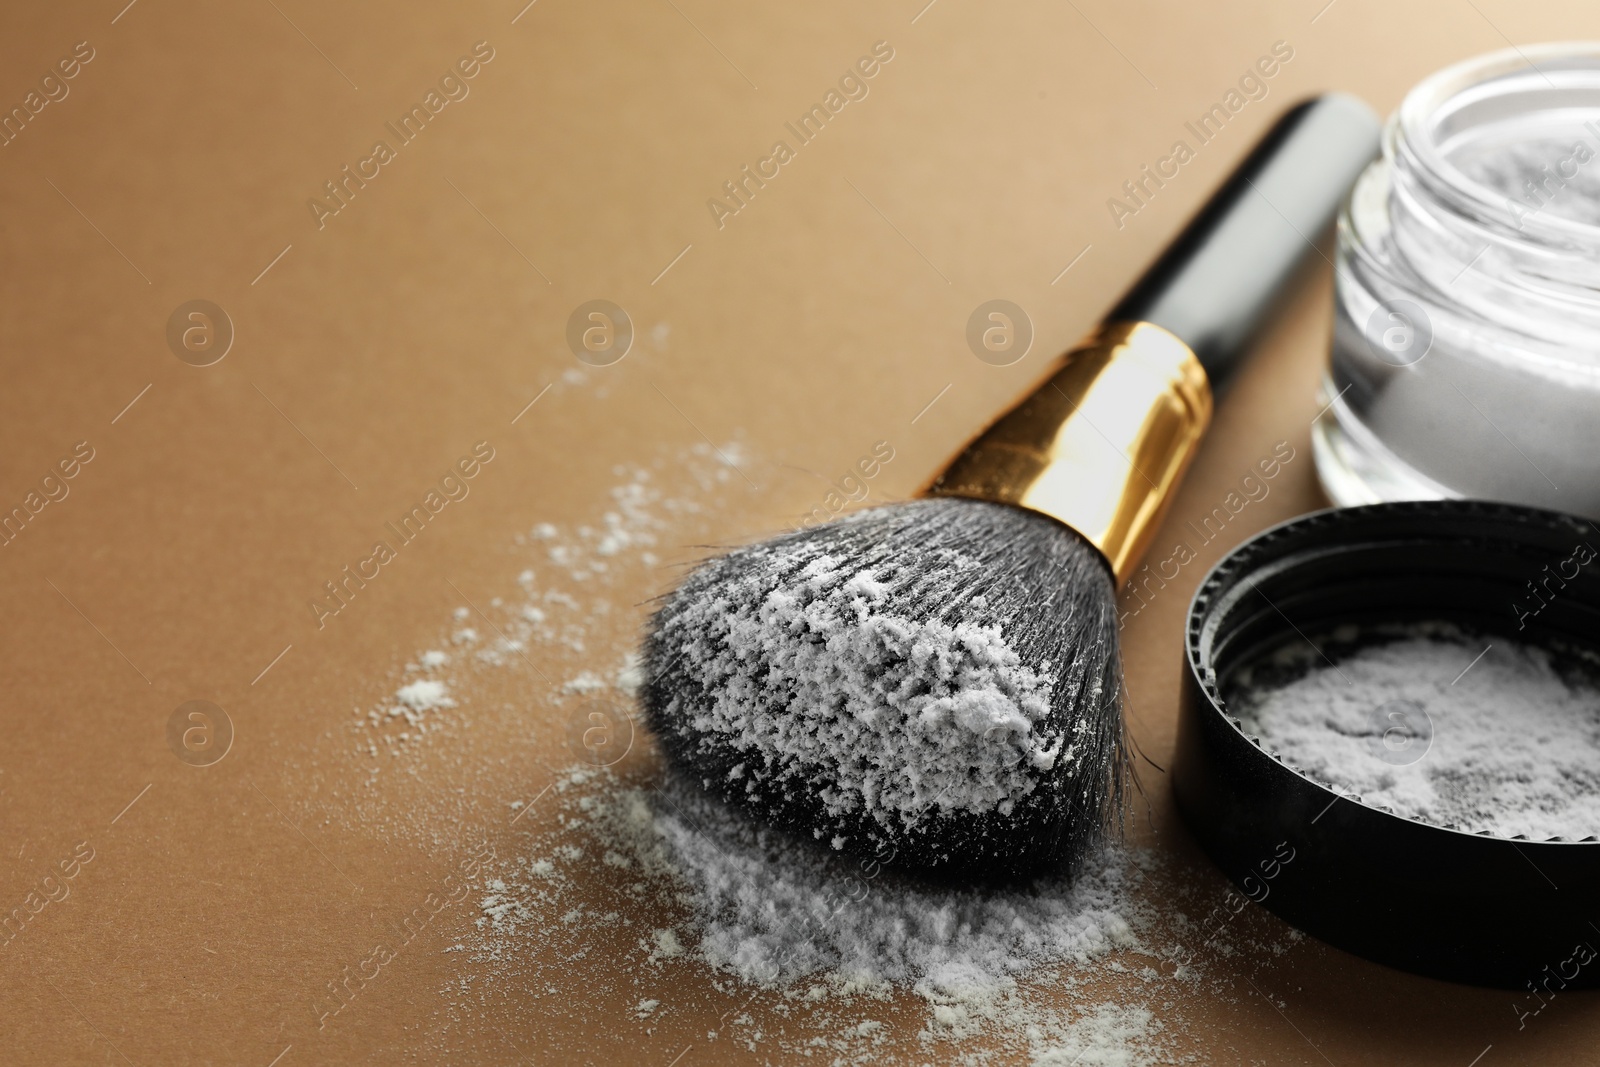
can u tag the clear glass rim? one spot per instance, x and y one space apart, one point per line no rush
1358 263
1412 125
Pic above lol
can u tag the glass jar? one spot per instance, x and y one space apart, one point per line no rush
1466 341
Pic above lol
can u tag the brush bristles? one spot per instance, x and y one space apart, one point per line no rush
935 682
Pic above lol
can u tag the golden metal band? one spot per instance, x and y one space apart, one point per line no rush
1101 445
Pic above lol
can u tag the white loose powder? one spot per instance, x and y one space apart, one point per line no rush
1515 171
424 695
841 937
1506 744
903 716
776 909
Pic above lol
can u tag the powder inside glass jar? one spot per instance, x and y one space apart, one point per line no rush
1558 175
1467 293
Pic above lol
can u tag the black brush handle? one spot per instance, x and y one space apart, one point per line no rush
1215 284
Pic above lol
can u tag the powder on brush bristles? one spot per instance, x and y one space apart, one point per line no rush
934 681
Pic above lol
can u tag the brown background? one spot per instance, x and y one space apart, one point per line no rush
812 325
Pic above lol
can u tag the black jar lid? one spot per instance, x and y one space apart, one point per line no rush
1430 899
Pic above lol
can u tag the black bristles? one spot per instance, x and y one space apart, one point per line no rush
855 682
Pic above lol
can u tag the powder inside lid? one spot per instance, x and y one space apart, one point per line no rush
1430 725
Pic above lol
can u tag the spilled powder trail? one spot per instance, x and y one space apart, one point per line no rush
839 936
560 604
774 909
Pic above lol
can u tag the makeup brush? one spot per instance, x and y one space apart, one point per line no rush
936 684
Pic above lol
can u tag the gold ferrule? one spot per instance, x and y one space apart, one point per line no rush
1101 445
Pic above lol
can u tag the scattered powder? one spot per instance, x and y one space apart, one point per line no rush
1111 1036
547 617
630 676
1510 747
424 695
585 683
413 702
1020 966
775 908
667 946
